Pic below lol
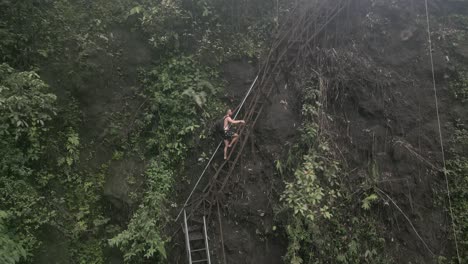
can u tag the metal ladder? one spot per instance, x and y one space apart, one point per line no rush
196 241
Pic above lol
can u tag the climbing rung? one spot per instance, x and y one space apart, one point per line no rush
196 236
201 260
197 250
198 221
195 228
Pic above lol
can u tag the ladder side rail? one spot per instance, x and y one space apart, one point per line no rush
206 241
187 240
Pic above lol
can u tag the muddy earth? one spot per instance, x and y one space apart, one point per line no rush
384 113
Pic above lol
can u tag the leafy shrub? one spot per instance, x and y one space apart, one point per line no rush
181 100
460 87
143 237
11 251
457 173
24 104
25 110
320 229
181 97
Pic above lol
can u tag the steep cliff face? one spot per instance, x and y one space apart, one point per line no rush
375 79
103 94
376 85
248 216
386 115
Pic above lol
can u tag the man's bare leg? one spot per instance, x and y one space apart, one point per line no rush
226 144
234 139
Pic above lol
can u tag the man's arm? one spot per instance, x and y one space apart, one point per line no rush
232 121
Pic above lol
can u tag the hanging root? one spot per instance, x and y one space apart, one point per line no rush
415 154
407 218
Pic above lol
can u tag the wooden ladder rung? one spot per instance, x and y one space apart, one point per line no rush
198 221
201 260
196 236
195 228
196 250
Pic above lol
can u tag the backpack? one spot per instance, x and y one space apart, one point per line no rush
217 128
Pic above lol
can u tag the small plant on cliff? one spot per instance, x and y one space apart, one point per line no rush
459 87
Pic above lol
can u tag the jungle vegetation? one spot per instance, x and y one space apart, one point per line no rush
48 51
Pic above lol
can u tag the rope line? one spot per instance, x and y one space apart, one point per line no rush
214 152
245 97
440 131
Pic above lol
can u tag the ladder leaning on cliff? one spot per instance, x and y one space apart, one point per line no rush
216 150
196 240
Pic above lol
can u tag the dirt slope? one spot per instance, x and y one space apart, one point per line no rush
384 114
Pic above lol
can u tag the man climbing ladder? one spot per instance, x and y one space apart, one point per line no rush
229 137
229 113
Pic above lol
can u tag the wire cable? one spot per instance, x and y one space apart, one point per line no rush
440 131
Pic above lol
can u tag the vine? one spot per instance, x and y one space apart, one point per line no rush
178 106
320 228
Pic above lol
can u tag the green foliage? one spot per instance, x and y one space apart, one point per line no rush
320 229
56 30
11 251
164 21
181 99
88 251
24 105
279 166
46 181
305 195
143 236
72 152
366 202
205 28
25 110
226 33
313 191
37 158
457 173
341 239
459 21
178 93
457 164
459 87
